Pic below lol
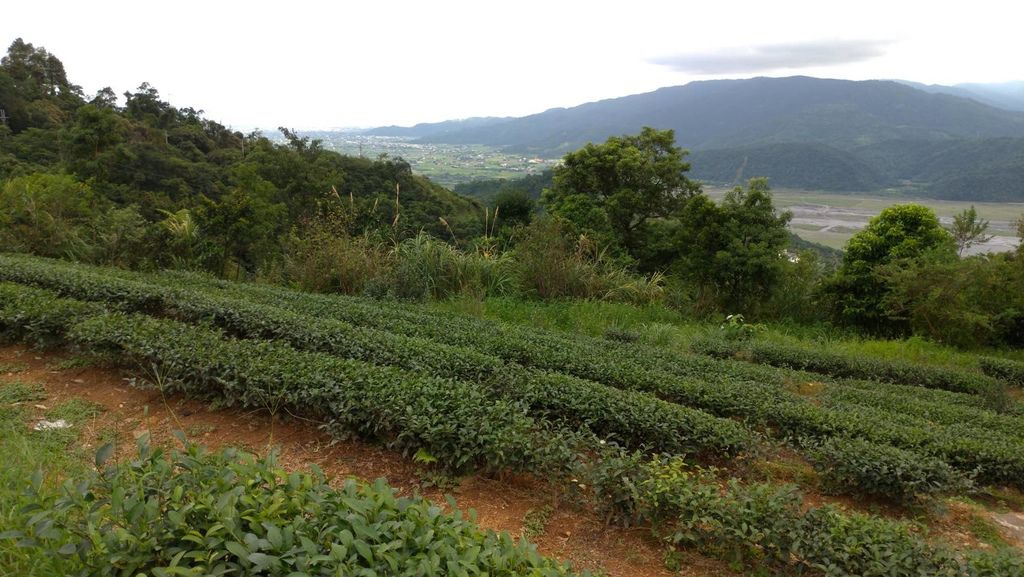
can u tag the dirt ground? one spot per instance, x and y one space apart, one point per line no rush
501 504
559 528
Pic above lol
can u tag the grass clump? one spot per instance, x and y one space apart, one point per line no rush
12 367
76 411
18 392
536 520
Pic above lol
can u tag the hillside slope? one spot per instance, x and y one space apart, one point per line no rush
726 113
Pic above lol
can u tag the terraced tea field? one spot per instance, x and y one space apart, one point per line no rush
704 446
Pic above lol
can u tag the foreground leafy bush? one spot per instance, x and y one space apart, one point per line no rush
228 513
859 466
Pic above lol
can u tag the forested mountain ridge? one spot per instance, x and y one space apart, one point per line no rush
430 129
801 132
1008 95
724 113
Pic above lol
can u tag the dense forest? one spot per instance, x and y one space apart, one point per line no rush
152 175
147 185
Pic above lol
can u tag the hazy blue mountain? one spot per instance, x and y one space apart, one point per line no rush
801 132
1008 95
728 113
433 129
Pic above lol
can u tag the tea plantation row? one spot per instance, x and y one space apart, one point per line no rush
968 445
480 425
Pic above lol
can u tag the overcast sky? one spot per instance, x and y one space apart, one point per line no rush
338 64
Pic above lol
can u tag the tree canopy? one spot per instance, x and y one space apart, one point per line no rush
244 192
733 251
969 230
898 234
615 189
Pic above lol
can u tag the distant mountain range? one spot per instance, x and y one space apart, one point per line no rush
963 142
1008 95
436 129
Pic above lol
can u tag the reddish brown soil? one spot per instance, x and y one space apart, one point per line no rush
501 504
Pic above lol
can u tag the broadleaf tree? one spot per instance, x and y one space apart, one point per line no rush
732 253
969 230
901 233
612 191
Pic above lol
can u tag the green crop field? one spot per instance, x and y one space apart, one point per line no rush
445 164
657 435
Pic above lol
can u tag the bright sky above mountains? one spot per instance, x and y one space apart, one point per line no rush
306 64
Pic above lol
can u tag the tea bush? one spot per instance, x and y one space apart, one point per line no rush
769 527
229 513
964 433
862 467
840 365
623 415
1007 370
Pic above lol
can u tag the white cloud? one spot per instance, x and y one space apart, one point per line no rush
311 64
771 57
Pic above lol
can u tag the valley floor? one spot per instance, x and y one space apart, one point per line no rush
832 218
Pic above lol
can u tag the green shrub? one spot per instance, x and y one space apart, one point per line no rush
36 316
631 417
735 328
716 347
194 513
454 421
621 335
769 527
578 371
552 264
1007 370
862 467
847 366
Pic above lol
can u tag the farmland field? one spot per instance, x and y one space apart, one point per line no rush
711 444
445 164
831 219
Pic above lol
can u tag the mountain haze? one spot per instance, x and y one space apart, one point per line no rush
801 132
435 128
1008 95
723 113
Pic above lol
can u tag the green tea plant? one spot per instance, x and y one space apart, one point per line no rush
862 467
191 512
1009 371
841 365
768 526
619 390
